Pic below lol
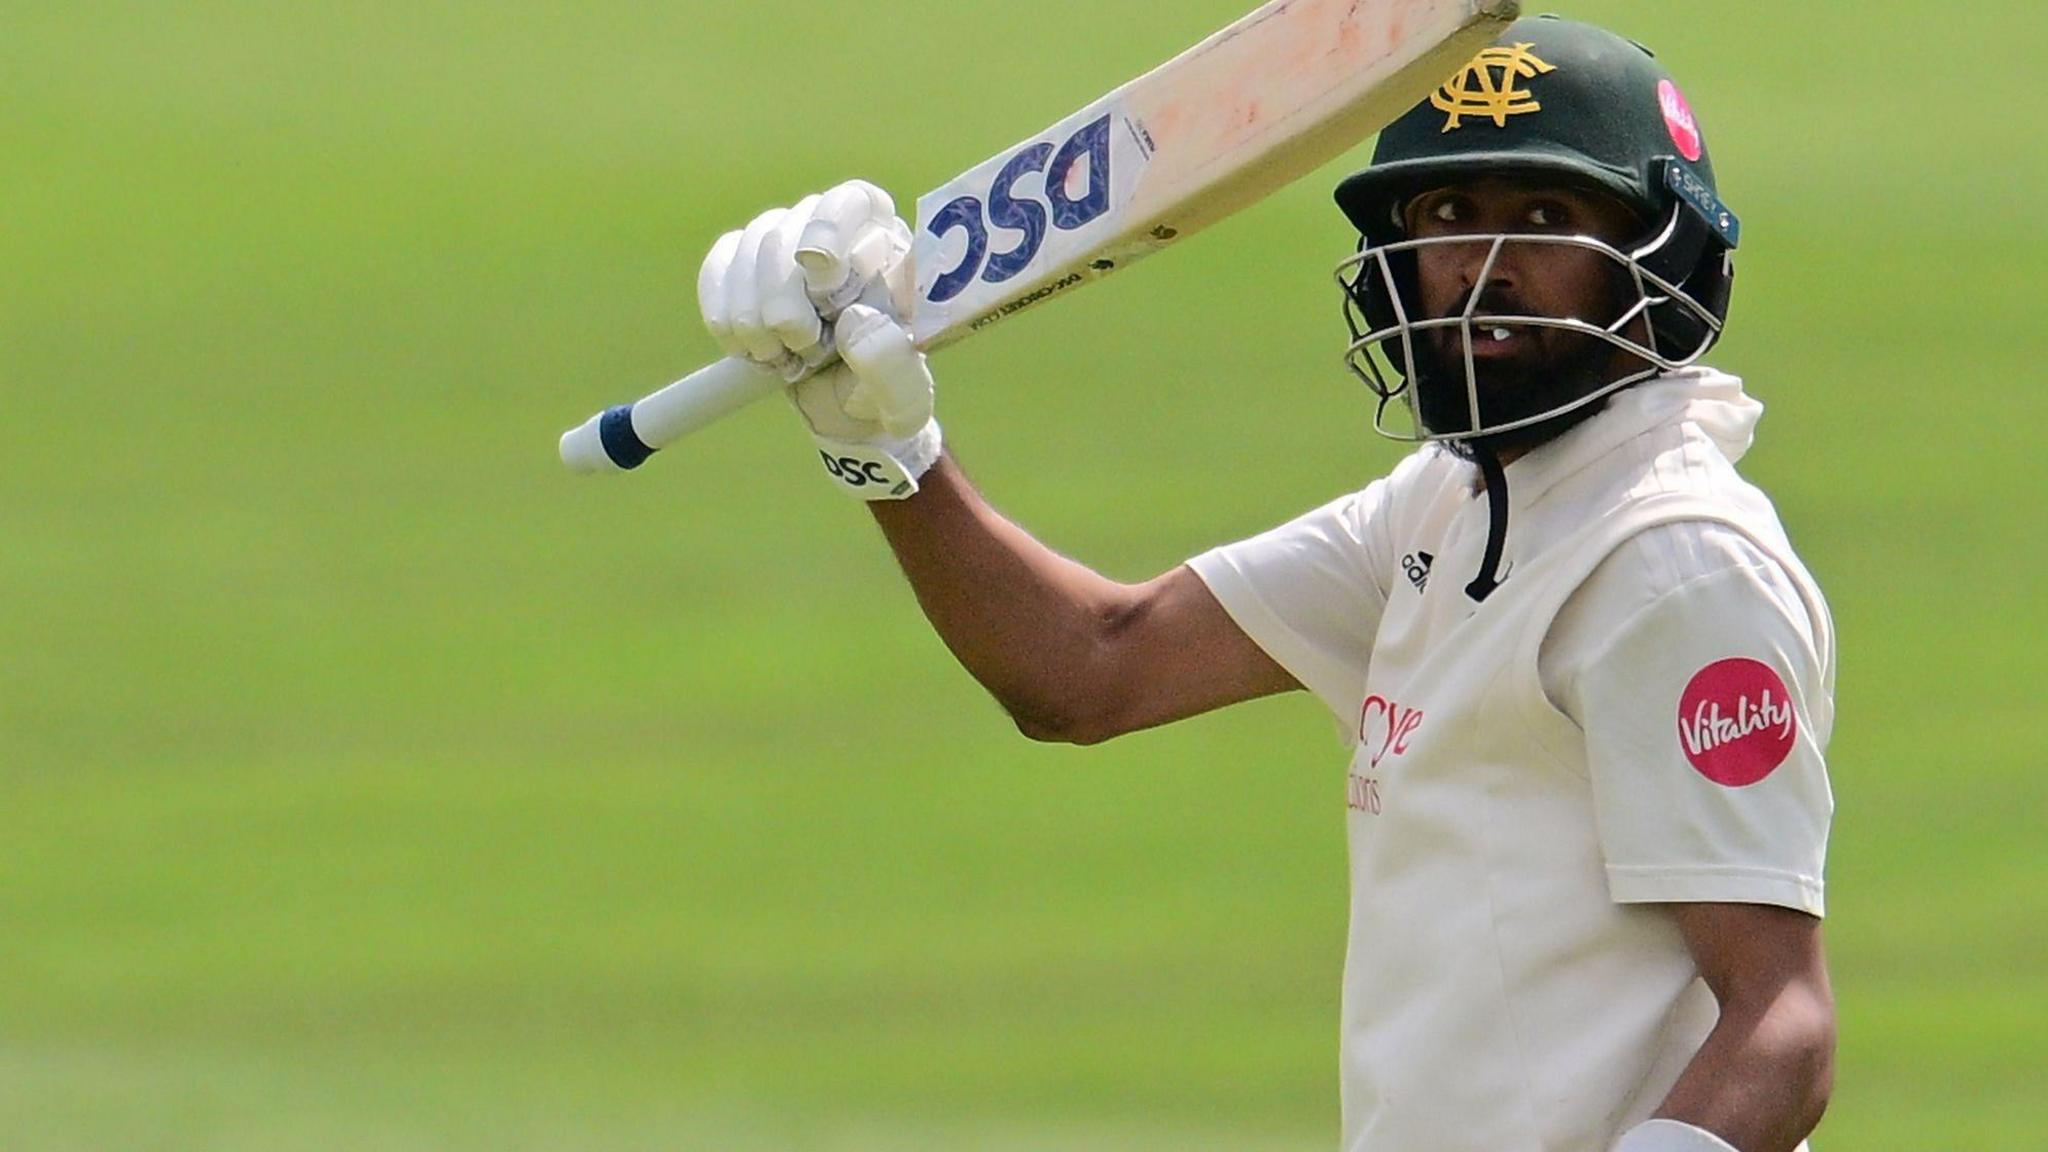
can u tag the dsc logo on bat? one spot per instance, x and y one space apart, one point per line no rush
1083 158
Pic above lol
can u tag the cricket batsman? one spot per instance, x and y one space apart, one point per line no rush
1586 682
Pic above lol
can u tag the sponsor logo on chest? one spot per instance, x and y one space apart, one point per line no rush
1384 730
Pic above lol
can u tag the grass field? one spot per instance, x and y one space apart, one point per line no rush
370 783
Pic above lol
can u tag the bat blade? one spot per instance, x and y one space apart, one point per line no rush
1218 127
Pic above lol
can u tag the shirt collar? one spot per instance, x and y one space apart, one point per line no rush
1712 399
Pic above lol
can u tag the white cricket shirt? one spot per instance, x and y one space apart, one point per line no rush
1636 715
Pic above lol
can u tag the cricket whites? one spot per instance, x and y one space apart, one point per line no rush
1218 127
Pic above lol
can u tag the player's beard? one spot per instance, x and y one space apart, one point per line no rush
1562 367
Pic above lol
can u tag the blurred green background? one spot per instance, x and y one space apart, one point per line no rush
369 782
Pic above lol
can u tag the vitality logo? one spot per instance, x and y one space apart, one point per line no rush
1735 722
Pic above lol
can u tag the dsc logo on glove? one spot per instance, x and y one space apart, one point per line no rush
854 473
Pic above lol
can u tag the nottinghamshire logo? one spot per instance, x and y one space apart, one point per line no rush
1486 87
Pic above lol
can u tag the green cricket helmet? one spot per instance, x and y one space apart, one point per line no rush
1553 101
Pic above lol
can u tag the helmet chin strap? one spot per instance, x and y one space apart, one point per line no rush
1496 478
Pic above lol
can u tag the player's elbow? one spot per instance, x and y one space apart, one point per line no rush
1794 1042
1043 729
1804 1023
1074 726
1083 716
1088 697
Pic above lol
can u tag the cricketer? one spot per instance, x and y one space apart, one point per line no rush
1586 682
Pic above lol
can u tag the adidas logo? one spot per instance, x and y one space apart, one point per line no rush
1416 564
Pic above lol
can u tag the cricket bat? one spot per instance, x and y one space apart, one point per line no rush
1218 127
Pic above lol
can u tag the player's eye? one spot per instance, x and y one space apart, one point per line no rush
1446 211
1547 215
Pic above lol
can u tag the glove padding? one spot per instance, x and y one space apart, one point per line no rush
871 414
769 292
829 276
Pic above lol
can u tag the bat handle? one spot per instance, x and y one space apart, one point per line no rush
624 436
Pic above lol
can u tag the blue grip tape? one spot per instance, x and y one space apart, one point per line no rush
621 443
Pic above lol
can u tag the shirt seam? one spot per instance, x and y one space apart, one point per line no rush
1511 1004
1266 628
1622 630
1749 885
1538 709
1736 871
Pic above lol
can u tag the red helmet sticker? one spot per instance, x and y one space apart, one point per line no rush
1735 722
1685 131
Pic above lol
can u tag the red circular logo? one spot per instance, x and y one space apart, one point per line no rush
1735 721
1685 131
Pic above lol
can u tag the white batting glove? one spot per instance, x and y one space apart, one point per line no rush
1670 1136
769 292
829 276
871 414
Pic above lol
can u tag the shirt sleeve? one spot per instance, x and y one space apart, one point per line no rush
1310 593
1707 711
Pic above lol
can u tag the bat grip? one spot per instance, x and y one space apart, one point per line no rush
622 437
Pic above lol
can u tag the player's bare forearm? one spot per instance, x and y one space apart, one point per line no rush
1762 1079
1025 621
1071 654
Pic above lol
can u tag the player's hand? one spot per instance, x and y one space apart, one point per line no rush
871 413
829 276
770 291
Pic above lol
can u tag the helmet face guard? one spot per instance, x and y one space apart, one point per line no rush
1398 351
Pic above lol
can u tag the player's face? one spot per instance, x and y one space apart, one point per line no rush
1526 279
1523 370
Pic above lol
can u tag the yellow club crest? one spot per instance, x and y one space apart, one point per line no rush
1486 87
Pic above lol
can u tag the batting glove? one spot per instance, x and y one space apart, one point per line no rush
1670 1136
829 276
